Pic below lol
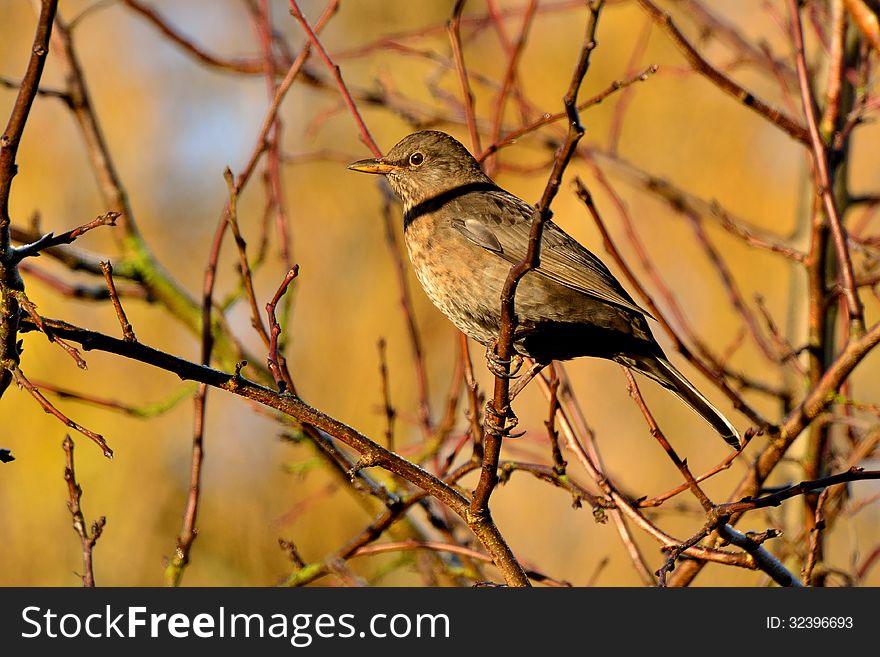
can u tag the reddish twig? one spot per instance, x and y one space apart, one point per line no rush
252 66
726 84
77 290
682 465
625 98
475 399
47 406
366 137
453 28
510 73
737 302
657 500
815 542
547 119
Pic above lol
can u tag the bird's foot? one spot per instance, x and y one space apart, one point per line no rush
506 368
501 422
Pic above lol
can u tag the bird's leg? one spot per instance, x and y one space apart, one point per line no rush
526 378
499 366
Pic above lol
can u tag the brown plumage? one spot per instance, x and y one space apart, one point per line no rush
463 233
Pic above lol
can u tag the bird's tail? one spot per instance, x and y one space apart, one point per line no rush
664 373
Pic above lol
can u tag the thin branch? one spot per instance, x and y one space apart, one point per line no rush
252 66
453 28
188 531
127 330
366 137
387 408
546 119
682 465
815 542
50 240
87 537
406 307
47 406
510 74
703 67
276 363
824 184
244 267
31 309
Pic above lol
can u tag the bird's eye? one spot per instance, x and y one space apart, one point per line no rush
416 159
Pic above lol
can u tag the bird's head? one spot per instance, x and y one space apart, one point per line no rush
424 165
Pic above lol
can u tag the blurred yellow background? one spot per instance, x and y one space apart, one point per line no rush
173 126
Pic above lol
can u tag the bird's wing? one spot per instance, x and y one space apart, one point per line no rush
502 226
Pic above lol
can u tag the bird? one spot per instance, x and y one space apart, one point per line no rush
463 233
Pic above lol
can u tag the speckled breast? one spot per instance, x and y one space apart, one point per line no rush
460 278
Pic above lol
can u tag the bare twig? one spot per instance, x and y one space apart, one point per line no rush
87 537
824 184
726 84
46 405
31 309
406 308
682 465
388 409
815 544
453 27
127 330
188 531
277 370
366 137
50 240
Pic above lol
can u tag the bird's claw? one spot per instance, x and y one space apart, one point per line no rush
505 368
500 423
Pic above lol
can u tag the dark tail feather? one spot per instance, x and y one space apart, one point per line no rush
663 372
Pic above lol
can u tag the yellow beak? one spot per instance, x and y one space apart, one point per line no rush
371 165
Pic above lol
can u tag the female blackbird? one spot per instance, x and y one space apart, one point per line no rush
463 233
